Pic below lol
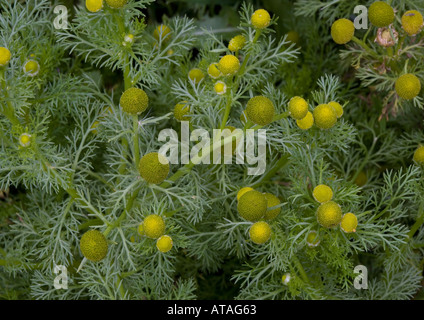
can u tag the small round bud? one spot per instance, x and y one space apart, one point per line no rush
25 140
242 191
182 111
329 214
260 19
220 87
260 232
307 122
164 243
298 108
272 201
93 245
237 43
5 56
419 155
260 110
31 68
229 65
213 71
381 14
154 167
94 5
325 116
312 239
154 226
408 86
134 101
162 32
349 223
412 22
252 205
322 193
337 107
342 31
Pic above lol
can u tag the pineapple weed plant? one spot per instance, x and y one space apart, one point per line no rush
83 185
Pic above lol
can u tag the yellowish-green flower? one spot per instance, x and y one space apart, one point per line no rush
134 101
307 122
31 68
93 245
252 205
381 14
213 71
419 155
342 31
164 243
242 191
260 110
408 86
229 65
412 22
154 226
298 108
337 107
260 232
325 117
94 5
349 223
272 201
329 214
182 111
260 19
237 43
322 193
154 167
5 56
25 140
220 87
312 239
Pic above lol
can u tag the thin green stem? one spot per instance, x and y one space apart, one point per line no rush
418 223
365 47
136 145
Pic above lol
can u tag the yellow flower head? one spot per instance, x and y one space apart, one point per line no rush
412 22
312 239
260 232
272 201
325 116
252 205
196 75
134 101
154 226
154 167
161 32
260 110
237 43
349 223
242 191
298 108
116 4
213 71
322 193
182 111
260 19
408 86
4 56
128 39
164 243
220 87
381 14
307 122
25 139
337 107
229 65
329 214
31 68
93 245
342 31
94 5
419 155
361 179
